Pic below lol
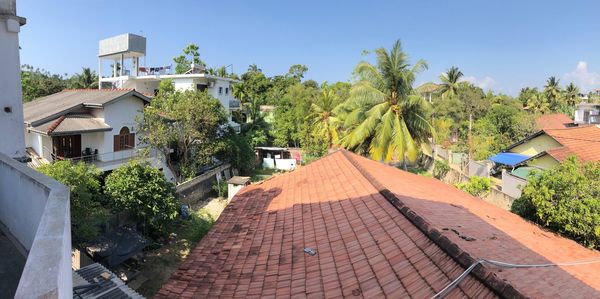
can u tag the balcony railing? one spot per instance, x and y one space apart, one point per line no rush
234 104
35 209
91 157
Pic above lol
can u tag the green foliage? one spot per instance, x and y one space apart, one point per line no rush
87 79
220 187
443 129
202 221
143 191
240 153
440 169
476 186
83 181
565 199
183 63
290 127
450 82
386 118
38 83
191 122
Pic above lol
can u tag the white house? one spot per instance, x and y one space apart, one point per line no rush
90 125
587 113
124 53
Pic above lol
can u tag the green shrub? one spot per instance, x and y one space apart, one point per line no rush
143 191
476 186
565 199
440 169
83 181
220 187
202 221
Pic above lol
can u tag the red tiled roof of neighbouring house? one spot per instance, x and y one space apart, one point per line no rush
553 121
377 232
583 142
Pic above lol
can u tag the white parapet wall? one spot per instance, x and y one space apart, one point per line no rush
36 211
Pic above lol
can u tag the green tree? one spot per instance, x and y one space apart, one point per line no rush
538 104
450 80
183 63
388 120
143 191
297 71
476 186
553 92
323 117
240 152
186 127
565 199
38 83
526 93
572 94
83 181
87 79
290 126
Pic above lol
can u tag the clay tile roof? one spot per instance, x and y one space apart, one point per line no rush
376 231
553 121
583 142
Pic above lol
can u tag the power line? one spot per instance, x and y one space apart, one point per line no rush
446 290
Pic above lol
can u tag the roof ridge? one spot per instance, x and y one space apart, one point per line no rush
97 89
452 249
55 125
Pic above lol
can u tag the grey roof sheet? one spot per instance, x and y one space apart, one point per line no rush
73 123
54 104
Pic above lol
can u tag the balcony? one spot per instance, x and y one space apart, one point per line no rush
35 220
110 160
234 105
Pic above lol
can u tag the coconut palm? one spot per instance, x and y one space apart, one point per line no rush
450 80
538 103
87 79
571 94
553 91
386 118
323 116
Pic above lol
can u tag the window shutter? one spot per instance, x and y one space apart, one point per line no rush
131 142
116 143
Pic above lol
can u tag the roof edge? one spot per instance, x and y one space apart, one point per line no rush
463 258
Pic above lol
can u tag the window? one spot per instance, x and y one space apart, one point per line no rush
226 90
124 141
201 87
220 90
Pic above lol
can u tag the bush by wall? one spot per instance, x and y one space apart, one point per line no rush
476 186
565 199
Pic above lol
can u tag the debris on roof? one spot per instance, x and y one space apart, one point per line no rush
95 281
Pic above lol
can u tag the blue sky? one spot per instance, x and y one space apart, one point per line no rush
503 45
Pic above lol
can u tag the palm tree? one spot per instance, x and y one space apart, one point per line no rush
450 80
538 103
254 68
387 119
552 91
87 79
571 94
323 116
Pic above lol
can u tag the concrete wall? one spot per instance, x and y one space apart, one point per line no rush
11 105
199 187
536 145
544 162
512 185
479 169
36 210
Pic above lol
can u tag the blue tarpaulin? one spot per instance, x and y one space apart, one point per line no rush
509 159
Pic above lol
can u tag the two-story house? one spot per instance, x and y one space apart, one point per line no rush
90 125
124 53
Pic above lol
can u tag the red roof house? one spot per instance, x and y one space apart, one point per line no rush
553 121
347 226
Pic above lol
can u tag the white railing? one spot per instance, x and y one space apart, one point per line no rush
106 157
36 211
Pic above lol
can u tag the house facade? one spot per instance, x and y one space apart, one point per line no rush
587 113
89 125
126 50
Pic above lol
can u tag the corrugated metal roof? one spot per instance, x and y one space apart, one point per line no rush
510 159
53 105
88 283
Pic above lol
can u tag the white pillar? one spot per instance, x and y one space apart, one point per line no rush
12 129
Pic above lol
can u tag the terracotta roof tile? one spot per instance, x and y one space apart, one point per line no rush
583 142
553 121
378 232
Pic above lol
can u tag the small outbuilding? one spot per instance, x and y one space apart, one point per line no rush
235 184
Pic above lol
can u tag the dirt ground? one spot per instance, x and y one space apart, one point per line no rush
162 262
